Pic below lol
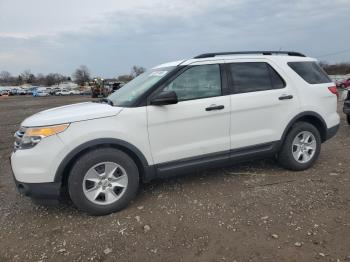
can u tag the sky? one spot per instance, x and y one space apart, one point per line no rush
110 36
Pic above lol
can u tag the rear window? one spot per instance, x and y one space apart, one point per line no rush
311 72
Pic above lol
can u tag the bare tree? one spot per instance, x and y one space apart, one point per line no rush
125 78
81 75
336 69
55 79
50 80
28 77
40 79
25 76
137 70
5 77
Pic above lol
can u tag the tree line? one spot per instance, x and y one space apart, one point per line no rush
336 69
80 76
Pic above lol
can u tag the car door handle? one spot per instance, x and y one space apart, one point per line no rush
285 97
214 107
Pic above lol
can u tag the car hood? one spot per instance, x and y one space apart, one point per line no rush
71 113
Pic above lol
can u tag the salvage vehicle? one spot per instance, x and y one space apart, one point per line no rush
344 84
213 110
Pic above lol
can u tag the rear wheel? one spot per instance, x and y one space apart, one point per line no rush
103 181
348 119
301 147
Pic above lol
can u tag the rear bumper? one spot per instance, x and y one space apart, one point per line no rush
331 132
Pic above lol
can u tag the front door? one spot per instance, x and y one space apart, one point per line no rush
198 125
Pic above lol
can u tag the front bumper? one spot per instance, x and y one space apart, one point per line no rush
34 169
39 190
51 190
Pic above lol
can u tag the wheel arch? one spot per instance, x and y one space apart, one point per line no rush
147 172
312 118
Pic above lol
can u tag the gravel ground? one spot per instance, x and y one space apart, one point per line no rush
254 211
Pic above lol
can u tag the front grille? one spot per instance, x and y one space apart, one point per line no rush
18 137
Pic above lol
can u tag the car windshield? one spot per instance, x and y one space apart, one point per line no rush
130 92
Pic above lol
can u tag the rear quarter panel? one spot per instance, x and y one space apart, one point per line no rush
315 97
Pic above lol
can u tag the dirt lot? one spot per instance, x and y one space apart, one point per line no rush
250 212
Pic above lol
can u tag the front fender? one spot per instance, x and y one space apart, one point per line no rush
146 171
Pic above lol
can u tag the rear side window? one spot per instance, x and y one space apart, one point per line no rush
311 72
252 77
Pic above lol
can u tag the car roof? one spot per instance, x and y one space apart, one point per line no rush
273 57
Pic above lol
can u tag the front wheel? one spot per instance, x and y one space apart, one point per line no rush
301 147
348 119
103 181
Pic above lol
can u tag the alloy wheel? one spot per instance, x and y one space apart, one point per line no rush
105 183
304 147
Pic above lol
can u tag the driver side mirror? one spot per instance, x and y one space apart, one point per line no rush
164 98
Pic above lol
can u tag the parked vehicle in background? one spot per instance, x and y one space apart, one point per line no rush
65 92
230 107
54 90
21 92
85 92
5 92
75 92
31 90
41 93
104 87
98 88
113 85
346 108
344 84
13 92
62 92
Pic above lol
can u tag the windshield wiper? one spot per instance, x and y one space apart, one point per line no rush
106 101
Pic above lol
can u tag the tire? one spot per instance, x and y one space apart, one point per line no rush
85 170
348 119
287 158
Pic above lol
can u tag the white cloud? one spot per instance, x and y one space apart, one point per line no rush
110 36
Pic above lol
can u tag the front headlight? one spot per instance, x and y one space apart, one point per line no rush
29 137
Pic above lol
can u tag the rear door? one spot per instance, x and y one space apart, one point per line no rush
262 103
198 125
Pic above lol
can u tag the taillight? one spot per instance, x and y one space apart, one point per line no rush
333 90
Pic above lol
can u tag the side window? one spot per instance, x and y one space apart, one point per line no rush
197 82
255 76
311 72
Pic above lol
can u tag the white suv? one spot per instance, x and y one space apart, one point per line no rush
212 110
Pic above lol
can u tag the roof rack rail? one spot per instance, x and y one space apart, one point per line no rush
290 53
